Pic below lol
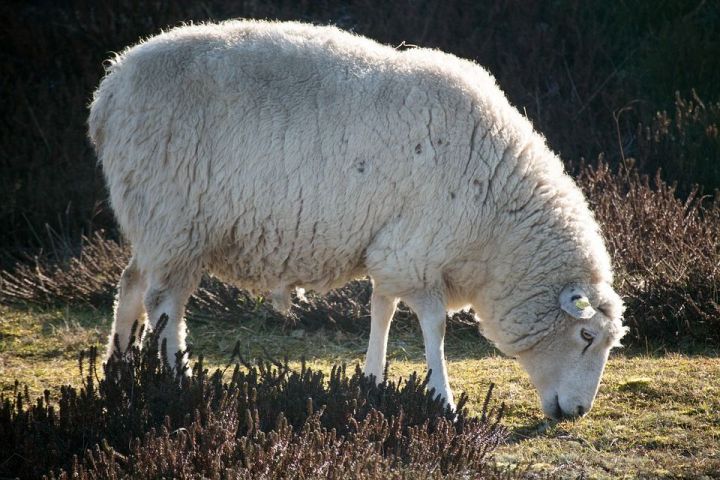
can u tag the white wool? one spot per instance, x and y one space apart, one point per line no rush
279 155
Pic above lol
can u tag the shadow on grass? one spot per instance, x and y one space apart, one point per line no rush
216 339
531 430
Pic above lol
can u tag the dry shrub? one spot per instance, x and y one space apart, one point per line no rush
563 63
666 252
684 141
90 277
210 449
346 308
139 420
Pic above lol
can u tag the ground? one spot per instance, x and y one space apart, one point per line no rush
657 414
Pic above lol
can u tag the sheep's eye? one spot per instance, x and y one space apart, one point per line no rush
587 336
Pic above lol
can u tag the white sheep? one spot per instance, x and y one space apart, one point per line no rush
278 155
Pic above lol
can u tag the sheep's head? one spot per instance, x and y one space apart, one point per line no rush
566 365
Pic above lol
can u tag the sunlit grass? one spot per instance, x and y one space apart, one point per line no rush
656 415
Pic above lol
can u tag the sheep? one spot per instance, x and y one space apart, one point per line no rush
280 155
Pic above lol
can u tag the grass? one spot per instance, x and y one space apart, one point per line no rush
657 414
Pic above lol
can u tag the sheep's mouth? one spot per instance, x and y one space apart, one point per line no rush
558 413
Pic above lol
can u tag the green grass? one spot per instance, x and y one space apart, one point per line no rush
657 414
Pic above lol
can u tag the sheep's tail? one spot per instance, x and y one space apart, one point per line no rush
101 105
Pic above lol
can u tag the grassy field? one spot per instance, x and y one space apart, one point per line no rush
657 414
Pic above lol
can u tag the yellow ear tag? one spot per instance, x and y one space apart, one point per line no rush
582 304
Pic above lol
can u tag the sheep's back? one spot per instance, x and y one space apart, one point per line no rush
267 157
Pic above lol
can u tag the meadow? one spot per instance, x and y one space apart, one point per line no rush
656 415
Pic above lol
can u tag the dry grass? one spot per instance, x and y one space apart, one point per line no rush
90 277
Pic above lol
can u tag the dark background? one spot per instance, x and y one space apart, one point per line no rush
596 77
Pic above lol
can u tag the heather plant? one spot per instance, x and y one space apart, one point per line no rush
681 142
90 278
600 67
136 418
213 451
666 252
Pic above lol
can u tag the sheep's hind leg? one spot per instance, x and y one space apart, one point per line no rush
431 312
129 309
381 312
167 295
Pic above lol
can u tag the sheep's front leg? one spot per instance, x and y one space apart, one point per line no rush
431 312
170 298
381 312
129 309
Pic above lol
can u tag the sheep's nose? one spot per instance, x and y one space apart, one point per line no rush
579 411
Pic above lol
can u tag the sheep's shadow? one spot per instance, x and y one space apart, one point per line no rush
531 430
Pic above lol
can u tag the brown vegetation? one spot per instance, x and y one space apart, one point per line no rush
666 252
600 68
137 419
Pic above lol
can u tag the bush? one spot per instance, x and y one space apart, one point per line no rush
666 252
682 143
90 278
139 420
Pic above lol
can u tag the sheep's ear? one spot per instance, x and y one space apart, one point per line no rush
574 301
